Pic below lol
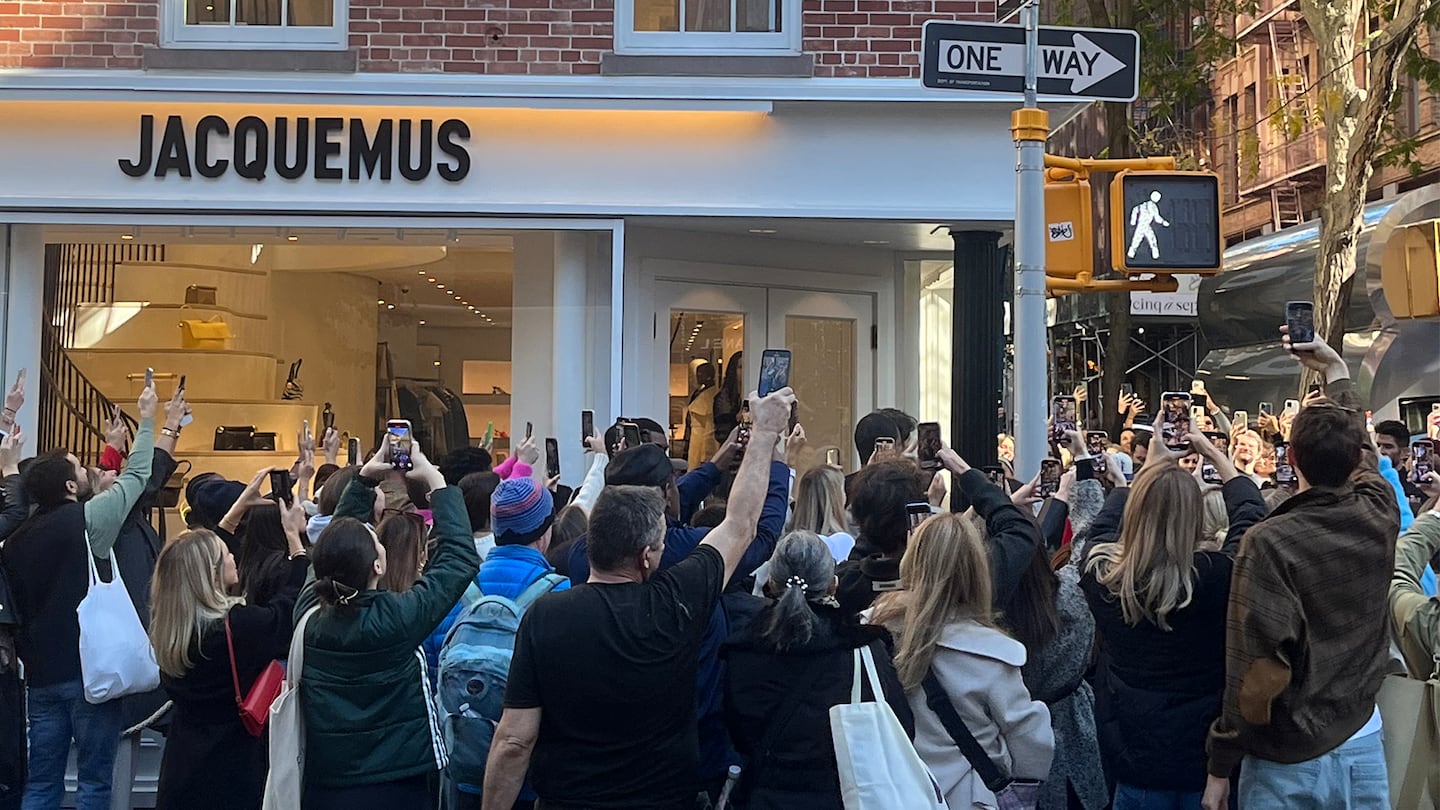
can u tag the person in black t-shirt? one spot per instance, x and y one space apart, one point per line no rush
599 705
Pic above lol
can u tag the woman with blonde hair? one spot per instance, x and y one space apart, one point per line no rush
820 508
205 642
1159 598
944 624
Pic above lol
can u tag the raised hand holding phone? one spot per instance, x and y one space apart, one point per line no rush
15 397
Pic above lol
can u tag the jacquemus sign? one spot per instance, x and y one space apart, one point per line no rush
295 147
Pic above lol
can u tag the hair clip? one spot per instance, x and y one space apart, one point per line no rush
796 582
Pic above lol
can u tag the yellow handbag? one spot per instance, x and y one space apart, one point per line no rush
211 334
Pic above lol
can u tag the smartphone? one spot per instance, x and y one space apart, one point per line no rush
352 451
552 458
1292 407
1241 420
631 432
832 457
188 417
885 443
1063 418
1219 439
996 474
1098 443
917 513
1267 409
1422 460
929 450
327 419
1200 401
1197 415
1127 389
587 427
1209 474
1174 419
281 487
149 378
1300 320
774 371
401 444
1049 478
529 429
305 430
1284 473
1315 388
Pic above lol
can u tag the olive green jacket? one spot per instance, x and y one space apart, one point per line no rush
1416 616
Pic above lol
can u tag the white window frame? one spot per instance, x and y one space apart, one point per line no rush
708 43
175 33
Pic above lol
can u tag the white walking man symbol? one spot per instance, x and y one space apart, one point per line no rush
1142 217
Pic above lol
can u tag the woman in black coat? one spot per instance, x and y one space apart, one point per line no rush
792 663
211 762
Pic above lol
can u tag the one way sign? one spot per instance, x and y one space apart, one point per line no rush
1093 63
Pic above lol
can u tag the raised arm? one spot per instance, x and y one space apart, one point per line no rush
747 496
595 478
1415 615
454 563
106 512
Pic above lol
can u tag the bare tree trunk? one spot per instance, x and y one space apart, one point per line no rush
1354 118
1117 343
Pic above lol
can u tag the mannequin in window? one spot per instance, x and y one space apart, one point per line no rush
700 418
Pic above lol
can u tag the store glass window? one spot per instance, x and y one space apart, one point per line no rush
707 26
309 24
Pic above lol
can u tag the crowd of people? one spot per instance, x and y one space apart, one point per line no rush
1172 626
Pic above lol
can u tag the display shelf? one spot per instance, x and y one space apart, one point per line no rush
486 399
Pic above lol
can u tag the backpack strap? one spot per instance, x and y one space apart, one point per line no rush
537 589
985 767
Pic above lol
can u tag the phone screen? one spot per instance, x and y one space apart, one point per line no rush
1220 440
1049 478
917 513
352 451
929 450
1098 443
1062 411
281 488
1209 474
631 432
401 444
1300 319
1267 408
996 474
529 429
774 371
150 379
587 427
832 457
552 458
1175 419
1284 473
1422 460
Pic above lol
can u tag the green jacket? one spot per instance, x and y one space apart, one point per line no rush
370 715
1416 616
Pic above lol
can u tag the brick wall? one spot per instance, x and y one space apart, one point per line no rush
863 38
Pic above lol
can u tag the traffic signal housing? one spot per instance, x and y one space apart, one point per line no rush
1069 228
1165 222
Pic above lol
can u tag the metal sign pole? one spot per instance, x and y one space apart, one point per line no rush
1030 127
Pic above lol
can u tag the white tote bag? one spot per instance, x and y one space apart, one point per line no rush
286 780
879 769
116 658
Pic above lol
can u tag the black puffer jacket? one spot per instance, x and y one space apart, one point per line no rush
797 767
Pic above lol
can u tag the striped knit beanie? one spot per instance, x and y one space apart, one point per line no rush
520 512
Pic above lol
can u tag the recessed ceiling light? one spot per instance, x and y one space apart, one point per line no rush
381 302
389 306
293 238
419 272
437 363
439 286
127 236
431 279
762 230
422 323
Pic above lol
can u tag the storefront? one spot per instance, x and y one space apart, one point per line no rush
480 253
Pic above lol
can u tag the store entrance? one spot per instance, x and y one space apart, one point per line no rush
714 334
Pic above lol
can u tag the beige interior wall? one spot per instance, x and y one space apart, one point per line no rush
328 319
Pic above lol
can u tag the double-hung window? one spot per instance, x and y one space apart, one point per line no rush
237 24
719 27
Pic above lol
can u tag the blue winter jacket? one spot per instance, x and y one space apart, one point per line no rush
715 751
507 571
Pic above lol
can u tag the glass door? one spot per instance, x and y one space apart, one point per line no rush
832 366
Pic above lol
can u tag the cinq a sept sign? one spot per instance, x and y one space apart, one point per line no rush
294 147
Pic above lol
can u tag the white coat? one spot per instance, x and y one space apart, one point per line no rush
980 670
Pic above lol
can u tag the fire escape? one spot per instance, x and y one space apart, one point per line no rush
1291 84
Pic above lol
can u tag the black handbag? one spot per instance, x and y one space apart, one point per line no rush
235 438
263 441
1010 794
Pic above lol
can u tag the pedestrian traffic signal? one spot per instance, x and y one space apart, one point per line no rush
1069 229
1163 222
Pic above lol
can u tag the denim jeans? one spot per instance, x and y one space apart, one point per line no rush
1351 777
58 714
1133 798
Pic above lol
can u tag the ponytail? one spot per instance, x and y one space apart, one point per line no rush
802 571
344 559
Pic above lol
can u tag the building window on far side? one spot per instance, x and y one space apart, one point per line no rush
719 27
277 24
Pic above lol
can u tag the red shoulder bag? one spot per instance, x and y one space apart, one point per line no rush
255 707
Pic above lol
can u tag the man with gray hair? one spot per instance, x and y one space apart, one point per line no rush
600 702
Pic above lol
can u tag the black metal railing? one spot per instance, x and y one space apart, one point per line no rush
73 412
